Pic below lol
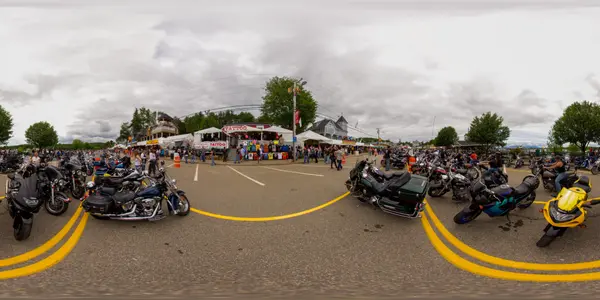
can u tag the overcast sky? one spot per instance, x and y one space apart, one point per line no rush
395 65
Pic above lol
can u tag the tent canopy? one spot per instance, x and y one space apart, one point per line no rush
208 131
311 135
277 129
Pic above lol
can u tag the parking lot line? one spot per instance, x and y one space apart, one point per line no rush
247 177
51 260
274 218
294 172
44 247
471 267
196 174
501 261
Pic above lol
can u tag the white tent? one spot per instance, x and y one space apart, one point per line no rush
208 131
311 135
277 129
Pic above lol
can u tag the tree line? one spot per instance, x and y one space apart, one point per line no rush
578 126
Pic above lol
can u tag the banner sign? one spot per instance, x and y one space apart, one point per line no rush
210 145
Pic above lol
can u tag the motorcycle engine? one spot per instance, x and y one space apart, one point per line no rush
148 205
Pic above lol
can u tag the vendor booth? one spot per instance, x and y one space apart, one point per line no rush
253 137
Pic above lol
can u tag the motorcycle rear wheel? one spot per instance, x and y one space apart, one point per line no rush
527 202
595 170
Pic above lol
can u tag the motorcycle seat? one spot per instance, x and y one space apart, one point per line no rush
107 191
462 171
522 190
123 197
113 181
392 175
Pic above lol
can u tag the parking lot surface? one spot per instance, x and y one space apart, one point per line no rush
288 230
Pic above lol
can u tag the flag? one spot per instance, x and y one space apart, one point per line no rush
297 118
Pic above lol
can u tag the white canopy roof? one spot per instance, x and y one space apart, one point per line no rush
208 131
277 129
334 142
311 135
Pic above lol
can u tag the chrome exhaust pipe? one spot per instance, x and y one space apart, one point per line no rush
132 212
139 218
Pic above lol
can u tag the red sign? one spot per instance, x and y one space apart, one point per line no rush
211 145
235 128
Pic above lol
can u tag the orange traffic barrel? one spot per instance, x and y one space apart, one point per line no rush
411 161
343 159
177 161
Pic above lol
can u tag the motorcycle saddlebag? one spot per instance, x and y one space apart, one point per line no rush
98 204
411 192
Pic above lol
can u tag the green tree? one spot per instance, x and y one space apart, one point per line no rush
579 125
488 130
446 137
553 144
277 104
41 135
77 144
211 120
124 133
6 126
193 123
245 117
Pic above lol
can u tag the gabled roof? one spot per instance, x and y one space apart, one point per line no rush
341 119
320 126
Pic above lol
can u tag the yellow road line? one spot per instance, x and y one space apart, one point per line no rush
44 247
501 261
51 260
266 219
471 267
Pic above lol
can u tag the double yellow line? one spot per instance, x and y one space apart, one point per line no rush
430 218
60 254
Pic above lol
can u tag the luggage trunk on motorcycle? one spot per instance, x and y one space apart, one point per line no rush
98 204
406 198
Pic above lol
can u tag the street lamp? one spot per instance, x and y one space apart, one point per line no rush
295 89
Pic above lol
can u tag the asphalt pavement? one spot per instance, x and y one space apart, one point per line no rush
290 231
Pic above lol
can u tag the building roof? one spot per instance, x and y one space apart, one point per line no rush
320 126
341 120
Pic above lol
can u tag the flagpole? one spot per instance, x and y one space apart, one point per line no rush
294 124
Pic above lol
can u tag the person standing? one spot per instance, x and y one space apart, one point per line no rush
152 166
338 157
387 156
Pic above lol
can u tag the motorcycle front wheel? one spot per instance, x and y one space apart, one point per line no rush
545 241
57 207
464 217
595 170
527 202
438 191
22 230
184 206
78 191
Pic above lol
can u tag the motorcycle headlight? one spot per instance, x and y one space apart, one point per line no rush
444 177
560 216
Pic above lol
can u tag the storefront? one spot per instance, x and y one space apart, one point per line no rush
256 138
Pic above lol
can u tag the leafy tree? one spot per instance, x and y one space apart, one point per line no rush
211 120
488 130
553 144
245 117
579 125
277 104
77 144
180 126
41 135
124 133
573 149
6 126
446 137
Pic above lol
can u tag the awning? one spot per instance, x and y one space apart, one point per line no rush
311 135
277 129
208 131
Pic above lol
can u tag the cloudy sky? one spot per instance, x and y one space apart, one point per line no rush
84 65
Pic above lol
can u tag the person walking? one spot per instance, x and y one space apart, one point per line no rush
338 157
152 161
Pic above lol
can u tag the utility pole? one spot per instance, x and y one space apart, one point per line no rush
378 138
295 90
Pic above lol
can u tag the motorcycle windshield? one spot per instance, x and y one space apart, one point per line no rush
28 188
569 198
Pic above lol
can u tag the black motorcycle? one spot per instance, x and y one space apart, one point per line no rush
51 186
457 181
399 193
75 179
22 200
107 203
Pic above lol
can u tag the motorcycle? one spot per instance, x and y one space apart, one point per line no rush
457 182
567 210
76 180
131 182
22 200
519 163
549 178
106 203
401 194
498 201
51 184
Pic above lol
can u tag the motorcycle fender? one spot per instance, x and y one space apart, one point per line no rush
180 193
63 195
554 231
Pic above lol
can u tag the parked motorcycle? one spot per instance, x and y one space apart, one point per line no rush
445 181
519 163
107 203
567 210
22 200
76 179
51 186
498 201
401 194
